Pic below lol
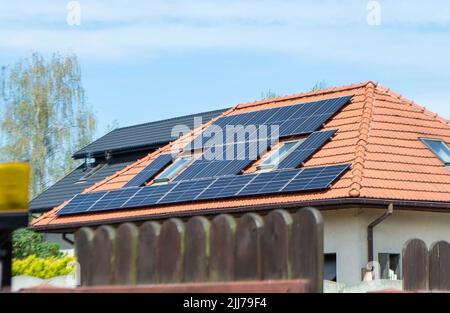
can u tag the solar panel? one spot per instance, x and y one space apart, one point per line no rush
225 160
315 178
292 120
150 171
275 182
82 202
306 149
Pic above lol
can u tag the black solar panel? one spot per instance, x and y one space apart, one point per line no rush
150 170
224 160
315 178
292 120
306 149
275 182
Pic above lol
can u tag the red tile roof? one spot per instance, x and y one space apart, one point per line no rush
379 133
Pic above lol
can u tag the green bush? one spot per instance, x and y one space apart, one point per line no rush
44 268
27 242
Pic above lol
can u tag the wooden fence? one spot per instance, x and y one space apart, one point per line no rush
280 246
425 269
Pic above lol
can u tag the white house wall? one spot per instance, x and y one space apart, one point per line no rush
346 235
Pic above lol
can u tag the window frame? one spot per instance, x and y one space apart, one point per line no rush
425 142
268 167
160 180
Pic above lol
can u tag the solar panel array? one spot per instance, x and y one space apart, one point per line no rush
292 120
208 179
282 181
306 149
150 171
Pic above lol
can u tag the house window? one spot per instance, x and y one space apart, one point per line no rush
173 169
279 154
440 148
329 267
389 265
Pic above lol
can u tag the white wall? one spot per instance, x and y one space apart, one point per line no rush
346 235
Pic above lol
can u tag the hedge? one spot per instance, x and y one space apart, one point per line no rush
44 268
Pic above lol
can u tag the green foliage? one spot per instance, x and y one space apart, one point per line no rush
27 243
44 268
269 94
44 116
319 85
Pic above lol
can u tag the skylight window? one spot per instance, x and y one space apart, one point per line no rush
279 154
440 148
173 169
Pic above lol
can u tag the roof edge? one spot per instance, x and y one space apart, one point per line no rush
336 203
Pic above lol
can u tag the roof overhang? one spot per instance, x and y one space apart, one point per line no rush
329 204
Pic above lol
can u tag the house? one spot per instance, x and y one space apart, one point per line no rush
374 163
107 155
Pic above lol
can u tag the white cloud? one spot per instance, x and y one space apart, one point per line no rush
327 30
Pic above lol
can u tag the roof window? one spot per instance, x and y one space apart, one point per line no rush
276 156
439 148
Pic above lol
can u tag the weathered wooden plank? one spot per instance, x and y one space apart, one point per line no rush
103 255
83 248
126 254
307 247
415 265
275 245
171 251
147 270
439 258
242 287
223 231
248 260
197 249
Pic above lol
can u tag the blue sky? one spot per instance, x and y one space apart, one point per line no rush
148 60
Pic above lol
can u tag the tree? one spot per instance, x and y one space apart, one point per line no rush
27 242
319 85
44 116
269 94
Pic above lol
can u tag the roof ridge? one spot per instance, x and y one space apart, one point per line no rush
304 94
170 119
414 104
361 145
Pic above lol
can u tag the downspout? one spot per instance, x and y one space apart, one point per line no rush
64 237
386 214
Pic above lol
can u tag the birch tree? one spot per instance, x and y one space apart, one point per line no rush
44 116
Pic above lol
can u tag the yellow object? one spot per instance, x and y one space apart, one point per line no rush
14 181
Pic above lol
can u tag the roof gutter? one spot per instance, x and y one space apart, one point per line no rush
331 204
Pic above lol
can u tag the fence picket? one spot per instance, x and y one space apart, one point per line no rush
275 245
147 269
307 247
171 251
83 249
223 231
439 266
103 252
248 260
415 265
126 254
197 249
